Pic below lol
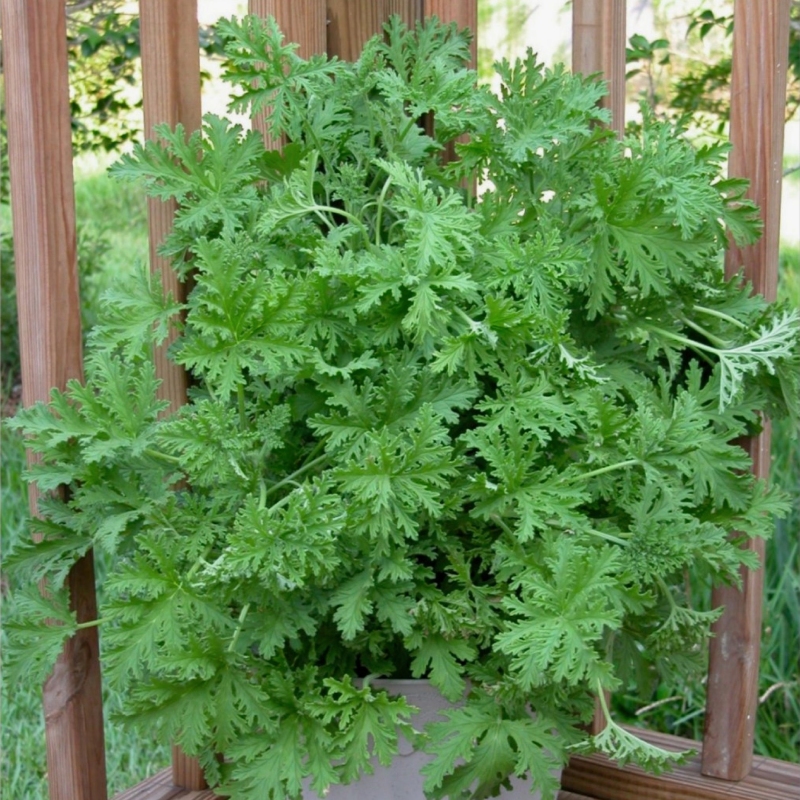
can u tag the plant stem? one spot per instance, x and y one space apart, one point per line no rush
720 315
242 410
631 462
242 618
686 342
411 123
496 518
342 213
703 332
148 451
667 593
601 696
197 564
291 478
92 623
607 537
379 215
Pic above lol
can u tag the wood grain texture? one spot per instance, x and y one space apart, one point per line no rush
758 95
351 23
410 11
162 787
600 779
595 778
171 91
43 204
598 46
186 771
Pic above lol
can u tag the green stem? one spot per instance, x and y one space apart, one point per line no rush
242 410
686 342
601 696
197 564
379 216
92 623
148 451
667 593
607 536
631 462
703 332
291 478
242 618
411 123
346 214
499 521
720 315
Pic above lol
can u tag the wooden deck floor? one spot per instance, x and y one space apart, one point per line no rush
160 787
595 778
600 779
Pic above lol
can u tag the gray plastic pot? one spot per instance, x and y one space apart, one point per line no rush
402 780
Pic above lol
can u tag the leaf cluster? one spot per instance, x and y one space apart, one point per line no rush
476 438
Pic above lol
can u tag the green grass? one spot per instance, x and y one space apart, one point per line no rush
112 235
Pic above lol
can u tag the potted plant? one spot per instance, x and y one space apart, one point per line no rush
475 438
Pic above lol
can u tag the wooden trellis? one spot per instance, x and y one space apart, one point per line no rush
42 196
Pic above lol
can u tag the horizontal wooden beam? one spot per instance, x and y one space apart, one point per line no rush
161 787
601 779
596 778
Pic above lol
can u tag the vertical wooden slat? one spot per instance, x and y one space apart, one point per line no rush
171 91
410 11
598 45
302 22
758 95
43 203
351 23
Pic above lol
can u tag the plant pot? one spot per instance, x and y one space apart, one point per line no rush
402 780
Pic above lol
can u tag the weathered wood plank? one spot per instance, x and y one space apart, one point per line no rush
43 204
758 97
598 45
410 11
302 22
351 23
171 92
598 778
595 778
162 787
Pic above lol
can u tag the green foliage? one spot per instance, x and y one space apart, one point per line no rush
474 439
698 88
9 331
104 52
